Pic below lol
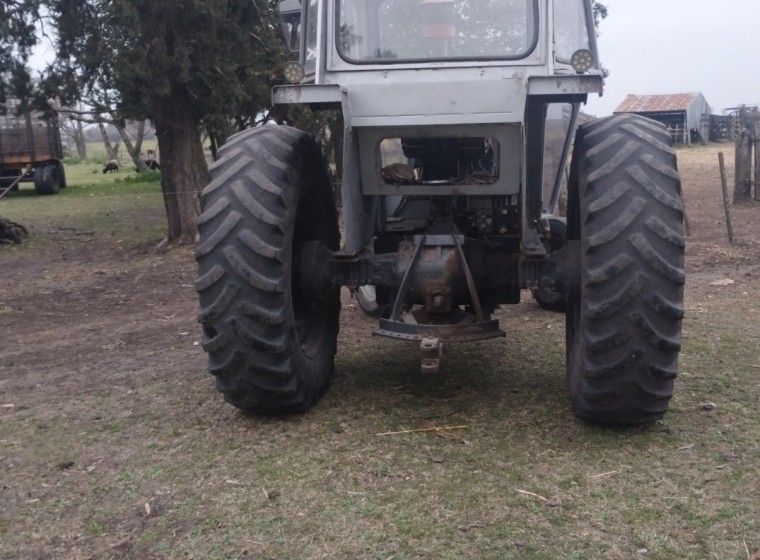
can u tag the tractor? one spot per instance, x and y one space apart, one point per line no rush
450 180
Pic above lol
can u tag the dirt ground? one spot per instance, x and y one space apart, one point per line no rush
82 320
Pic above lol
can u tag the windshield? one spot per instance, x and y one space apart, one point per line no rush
422 30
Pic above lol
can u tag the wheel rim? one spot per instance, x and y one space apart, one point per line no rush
310 315
369 294
554 265
55 179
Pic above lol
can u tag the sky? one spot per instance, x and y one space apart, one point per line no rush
680 46
668 46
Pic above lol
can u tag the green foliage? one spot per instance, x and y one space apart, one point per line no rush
130 53
147 177
17 37
89 180
600 12
184 64
100 158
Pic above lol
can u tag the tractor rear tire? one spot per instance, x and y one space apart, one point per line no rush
626 247
270 344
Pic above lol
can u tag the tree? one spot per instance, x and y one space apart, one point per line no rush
132 133
112 150
74 127
18 19
180 63
600 12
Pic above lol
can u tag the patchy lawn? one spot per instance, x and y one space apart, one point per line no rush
114 443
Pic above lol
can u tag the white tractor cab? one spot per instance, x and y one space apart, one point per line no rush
452 169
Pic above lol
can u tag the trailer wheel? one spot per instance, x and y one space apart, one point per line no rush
47 179
270 341
62 172
626 243
551 293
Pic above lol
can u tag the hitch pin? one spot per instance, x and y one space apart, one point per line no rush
431 350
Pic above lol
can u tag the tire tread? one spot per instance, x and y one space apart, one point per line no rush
625 309
245 262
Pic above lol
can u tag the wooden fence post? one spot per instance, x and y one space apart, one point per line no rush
743 176
757 160
724 186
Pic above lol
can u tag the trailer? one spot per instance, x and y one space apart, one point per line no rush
30 150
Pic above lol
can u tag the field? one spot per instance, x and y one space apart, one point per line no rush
114 443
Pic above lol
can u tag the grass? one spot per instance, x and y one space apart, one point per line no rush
524 479
125 206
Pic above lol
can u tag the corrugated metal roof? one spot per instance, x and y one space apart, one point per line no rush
656 103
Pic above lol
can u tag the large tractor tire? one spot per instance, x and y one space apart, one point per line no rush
626 246
271 342
48 178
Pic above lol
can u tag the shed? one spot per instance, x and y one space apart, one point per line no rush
687 115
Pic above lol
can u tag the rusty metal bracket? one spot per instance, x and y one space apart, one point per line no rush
398 304
470 280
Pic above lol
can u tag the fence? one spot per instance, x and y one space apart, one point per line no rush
747 150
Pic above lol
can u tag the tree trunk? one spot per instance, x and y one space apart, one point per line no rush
11 232
213 145
112 151
72 127
183 167
80 141
134 149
